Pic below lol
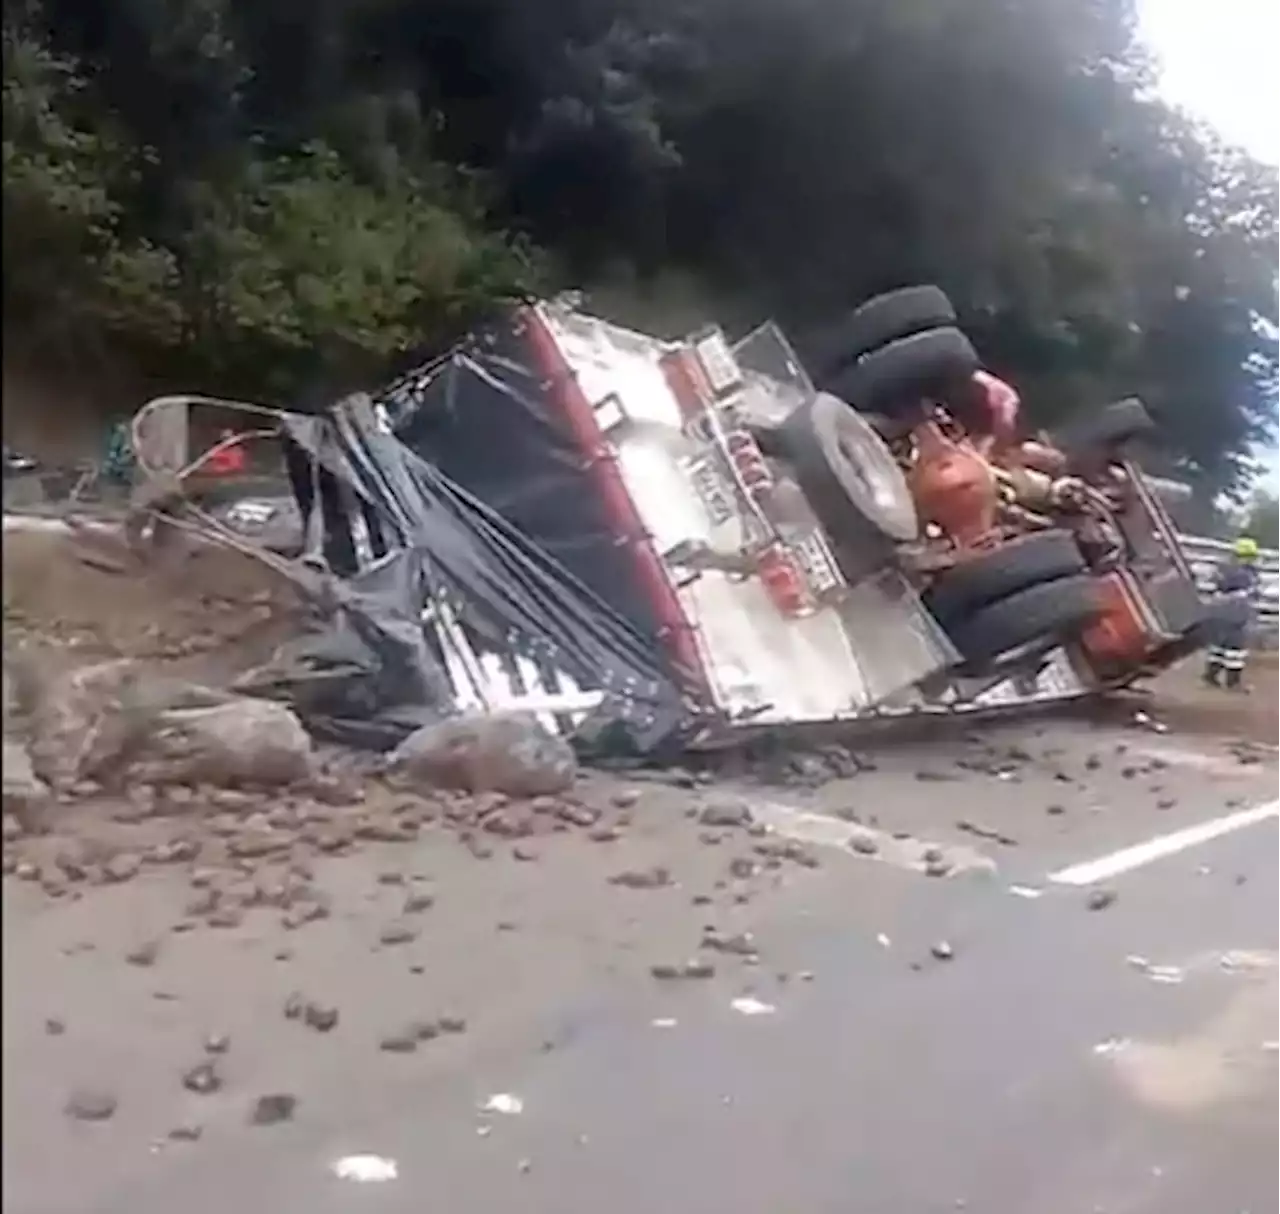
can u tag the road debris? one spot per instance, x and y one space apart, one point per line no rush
273 1109
91 1104
694 968
642 878
737 944
204 1078
397 933
319 1016
504 1103
510 754
400 1041
1170 975
365 1169
749 1005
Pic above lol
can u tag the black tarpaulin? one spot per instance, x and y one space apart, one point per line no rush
383 670
488 418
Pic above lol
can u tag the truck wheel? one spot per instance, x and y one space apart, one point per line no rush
1050 612
1105 430
869 326
1040 557
848 473
899 375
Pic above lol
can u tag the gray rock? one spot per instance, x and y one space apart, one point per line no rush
273 1109
203 1078
642 878
320 1016
508 753
402 1041
1100 899
91 1104
726 815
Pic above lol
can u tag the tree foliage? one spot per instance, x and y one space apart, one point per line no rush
277 190
1263 522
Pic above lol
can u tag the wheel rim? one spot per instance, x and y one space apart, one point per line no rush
875 481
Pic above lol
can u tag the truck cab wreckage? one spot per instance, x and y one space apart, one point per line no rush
651 543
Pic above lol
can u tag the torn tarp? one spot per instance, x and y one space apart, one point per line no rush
410 543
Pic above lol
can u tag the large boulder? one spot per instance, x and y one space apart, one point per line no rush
239 742
87 723
509 753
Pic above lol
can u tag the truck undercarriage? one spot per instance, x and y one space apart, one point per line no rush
691 541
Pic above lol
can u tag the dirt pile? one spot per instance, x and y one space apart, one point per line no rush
205 612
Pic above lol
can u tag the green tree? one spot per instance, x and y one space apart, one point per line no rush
1263 523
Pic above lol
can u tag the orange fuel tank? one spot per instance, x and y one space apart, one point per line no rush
953 486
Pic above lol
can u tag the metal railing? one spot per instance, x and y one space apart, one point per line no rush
1206 554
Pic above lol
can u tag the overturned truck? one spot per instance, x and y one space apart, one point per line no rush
655 543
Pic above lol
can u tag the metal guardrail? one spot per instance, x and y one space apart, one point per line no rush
1205 555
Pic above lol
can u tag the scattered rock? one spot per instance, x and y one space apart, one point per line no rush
415 904
294 1006
1100 899
686 969
54 1027
509 753
741 868
319 1016
402 1041
527 854
397 933
203 1078
123 866
578 815
144 954
186 1133
726 815
217 1043
273 1109
225 917
942 951
642 878
865 845
739 944
1054 810
91 1104
604 834
451 1024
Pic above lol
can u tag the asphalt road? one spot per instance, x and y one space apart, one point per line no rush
1041 1070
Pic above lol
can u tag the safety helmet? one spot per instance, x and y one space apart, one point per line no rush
1246 548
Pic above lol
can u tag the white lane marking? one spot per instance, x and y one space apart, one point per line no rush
823 830
1129 858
